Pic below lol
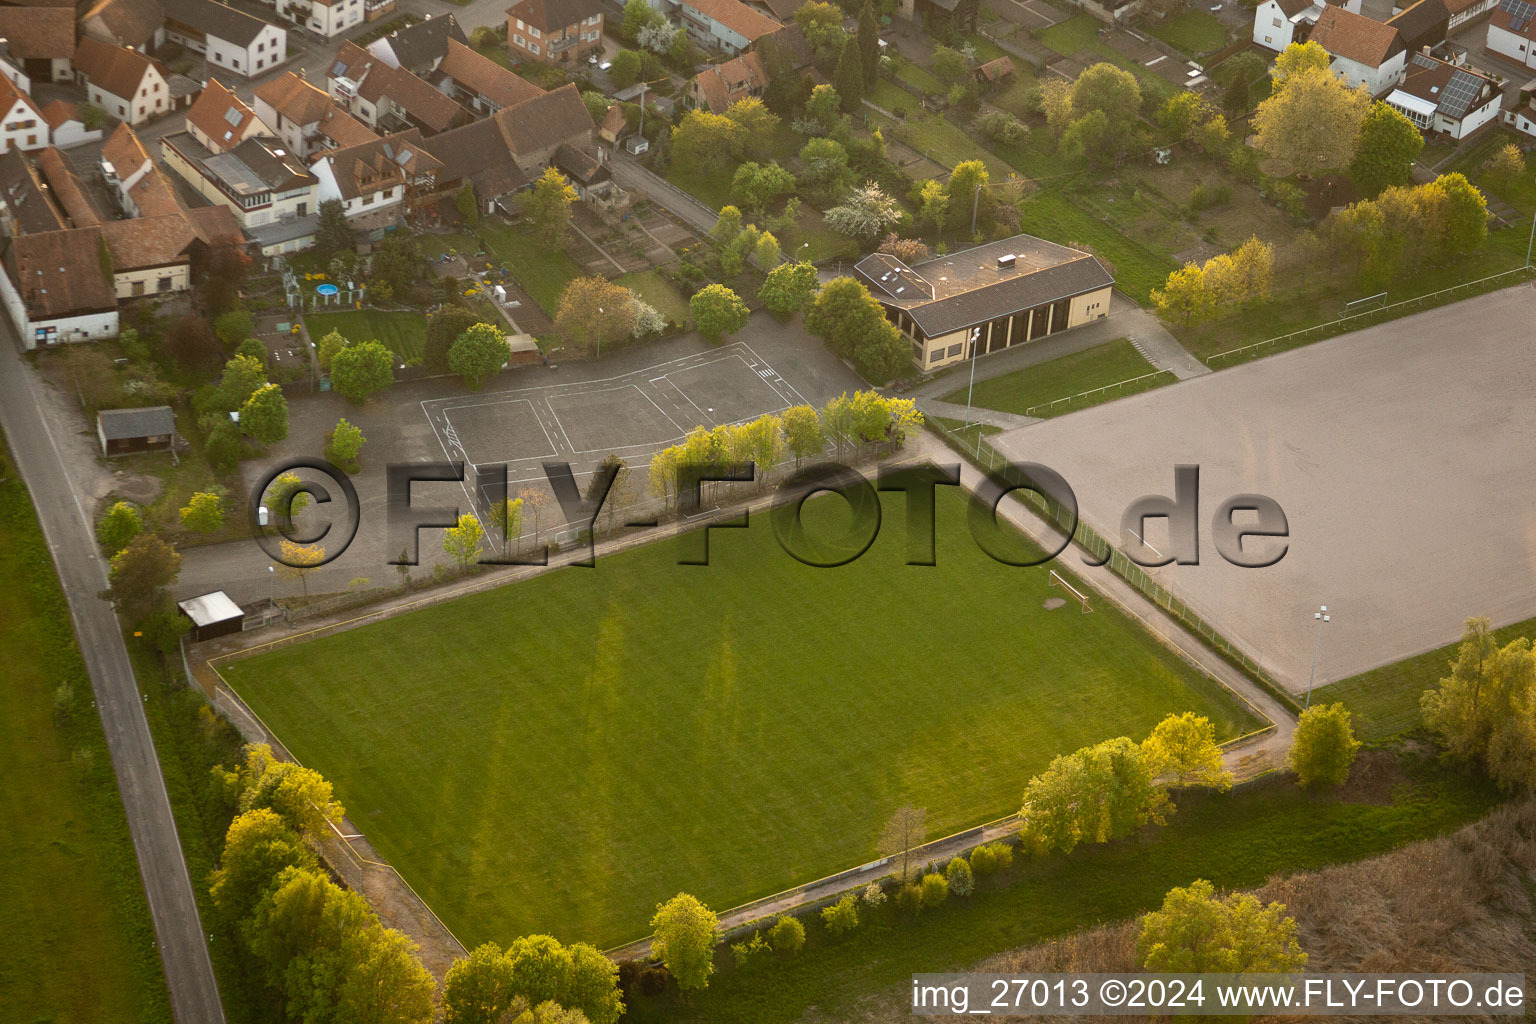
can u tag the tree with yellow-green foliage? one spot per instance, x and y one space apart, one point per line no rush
1485 710
1197 932
1184 747
548 206
1314 122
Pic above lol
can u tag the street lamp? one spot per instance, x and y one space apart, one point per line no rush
1322 617
599 334
271 587
971 393
1531 241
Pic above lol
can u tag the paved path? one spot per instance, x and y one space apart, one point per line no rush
67 527
634 178
1125 320
976 414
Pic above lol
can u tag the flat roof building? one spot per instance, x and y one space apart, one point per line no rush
1001 294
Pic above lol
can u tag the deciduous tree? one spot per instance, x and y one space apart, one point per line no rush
864 213
905 830
1324 746
478 355
1184 747
1093 795
548 207
329 345
343 444
717 311
758 125
755 185
462 542
257 847
1389 144
299 561
1485 710
685 931
787 288
363 369
595 312
140 574
705 138
1296 61
443 329
1314 122
119 525
1197 932
264 416
203 513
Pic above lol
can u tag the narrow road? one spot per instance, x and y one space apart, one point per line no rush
67 527
634 178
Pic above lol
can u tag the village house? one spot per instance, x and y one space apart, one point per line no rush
23 126
57 287
479 83
718 86
1438 96
41 43
373 181
1365 52
727 25
136 24
388 98
554 31
1512 31
228 38
220 120
420 48
122 81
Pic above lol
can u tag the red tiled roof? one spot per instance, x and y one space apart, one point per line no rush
554 15
114 69
67 190
39 33
155 196
1356 37
216 225
221 116
345 130
736 16
124 151
148 241
58 112
294 98
476 73
58 273
126 22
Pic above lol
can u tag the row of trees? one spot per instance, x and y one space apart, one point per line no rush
1220 286
866 417
853 324
536 975
1407 228
320 947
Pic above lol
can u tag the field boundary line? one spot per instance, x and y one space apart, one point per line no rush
1427 300
1031 411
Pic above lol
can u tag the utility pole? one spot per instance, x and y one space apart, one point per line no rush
1322 617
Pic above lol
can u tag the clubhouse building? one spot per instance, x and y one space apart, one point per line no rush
1001 294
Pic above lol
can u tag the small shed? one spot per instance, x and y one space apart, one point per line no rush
522 350
994 71
123 431
212 615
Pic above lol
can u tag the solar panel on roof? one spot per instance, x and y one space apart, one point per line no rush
1460 93
1425 61
339 68
1519 10
232 115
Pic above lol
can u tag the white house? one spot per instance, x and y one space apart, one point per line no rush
323 17
56 288
373 180
40 42
1438 96
229 39
124 163
728 25
1522 119
1512 31
23 126
123 82
1463 11
65 125
420 48
294 109
1365 52
267 188
1277 23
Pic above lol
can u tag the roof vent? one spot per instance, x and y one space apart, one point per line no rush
1006 262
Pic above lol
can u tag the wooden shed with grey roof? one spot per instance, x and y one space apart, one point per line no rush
125 431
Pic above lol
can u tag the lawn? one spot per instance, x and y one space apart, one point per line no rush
1519 193
541 269
947 144
1033 386
79 946
404 333
1238 840
1060 217
1079 32
919 78
561 754
1385 700
709 184
891 96
811 239
659 292
1193 31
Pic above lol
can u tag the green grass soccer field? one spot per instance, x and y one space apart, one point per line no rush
561 754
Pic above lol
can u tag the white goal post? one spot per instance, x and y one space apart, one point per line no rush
1055 580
